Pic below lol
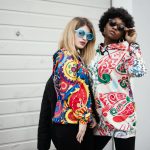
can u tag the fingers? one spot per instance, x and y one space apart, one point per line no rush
130 35
130 31
93 124
80 136
127 29
81 132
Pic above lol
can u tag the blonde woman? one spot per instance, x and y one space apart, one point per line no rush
73 119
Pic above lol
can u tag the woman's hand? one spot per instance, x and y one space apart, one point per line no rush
81 132
93 124
130 35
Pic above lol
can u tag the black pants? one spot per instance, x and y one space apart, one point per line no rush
120 144
65 138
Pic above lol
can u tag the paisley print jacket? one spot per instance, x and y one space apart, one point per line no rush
110 73
71 80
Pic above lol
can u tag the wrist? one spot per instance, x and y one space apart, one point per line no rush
82 121
133 47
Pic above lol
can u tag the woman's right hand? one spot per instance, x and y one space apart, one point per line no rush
81 132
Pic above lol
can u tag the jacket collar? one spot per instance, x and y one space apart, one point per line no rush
114 46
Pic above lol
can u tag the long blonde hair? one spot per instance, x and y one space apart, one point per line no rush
68 38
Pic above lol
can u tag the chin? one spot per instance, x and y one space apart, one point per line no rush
114 39
80 47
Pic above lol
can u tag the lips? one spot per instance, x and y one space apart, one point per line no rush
82 43
112 32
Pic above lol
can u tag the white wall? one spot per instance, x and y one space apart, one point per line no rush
127 4
141 11
29 32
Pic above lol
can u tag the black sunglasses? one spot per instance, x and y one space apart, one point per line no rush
113 23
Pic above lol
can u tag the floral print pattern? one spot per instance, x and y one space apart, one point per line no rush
71 80
110 73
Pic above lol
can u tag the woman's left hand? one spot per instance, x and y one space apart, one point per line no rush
93 124
130 35
81 132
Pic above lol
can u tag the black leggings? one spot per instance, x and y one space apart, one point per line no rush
120 144
64 138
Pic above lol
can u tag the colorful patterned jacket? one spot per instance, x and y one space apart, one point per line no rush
71 81
110 73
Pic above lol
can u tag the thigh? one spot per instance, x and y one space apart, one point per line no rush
65 137
100 142
125 144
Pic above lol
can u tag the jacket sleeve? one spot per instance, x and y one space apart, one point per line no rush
80 111
46 114
134 62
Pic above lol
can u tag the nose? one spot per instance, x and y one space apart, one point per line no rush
84 37
115 27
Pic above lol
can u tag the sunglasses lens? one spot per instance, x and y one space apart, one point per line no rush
112 23
89 36
82 33
121 28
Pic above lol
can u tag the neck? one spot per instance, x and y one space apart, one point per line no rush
107 42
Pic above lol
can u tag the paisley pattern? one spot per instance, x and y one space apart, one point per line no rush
110 76
71 80
69 69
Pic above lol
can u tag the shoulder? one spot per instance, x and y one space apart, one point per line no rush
62 54
58 53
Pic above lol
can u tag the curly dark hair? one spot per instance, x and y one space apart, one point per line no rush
113 13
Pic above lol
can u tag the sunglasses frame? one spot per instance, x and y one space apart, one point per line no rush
120 27
84 33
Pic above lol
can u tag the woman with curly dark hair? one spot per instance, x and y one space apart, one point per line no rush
117 59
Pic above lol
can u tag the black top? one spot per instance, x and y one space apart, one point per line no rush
45 132
47 111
